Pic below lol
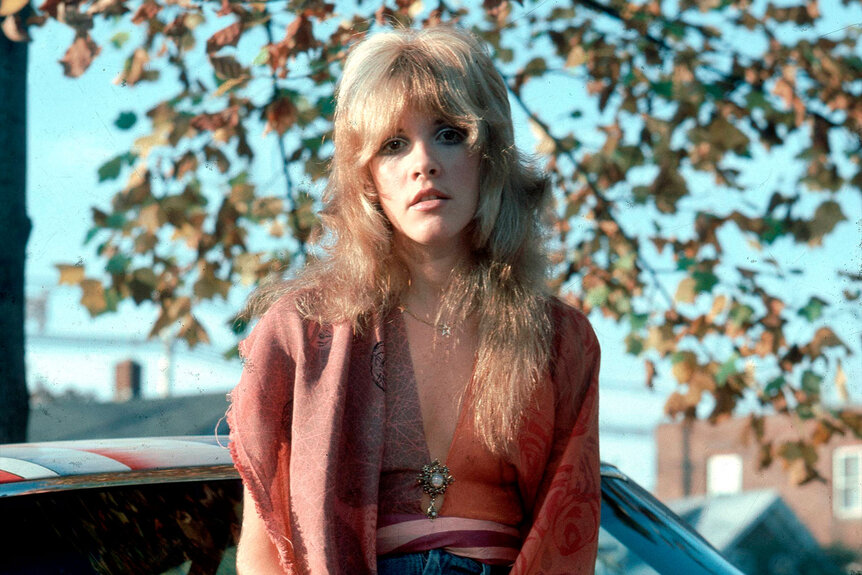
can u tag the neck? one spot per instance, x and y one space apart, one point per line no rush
430 271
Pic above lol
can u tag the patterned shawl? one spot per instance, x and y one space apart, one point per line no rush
306 439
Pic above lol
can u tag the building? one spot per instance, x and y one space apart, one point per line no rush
757 532
700 459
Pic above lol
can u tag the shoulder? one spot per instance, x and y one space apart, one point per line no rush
575 355
571 327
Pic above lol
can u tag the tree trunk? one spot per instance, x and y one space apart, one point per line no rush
14 231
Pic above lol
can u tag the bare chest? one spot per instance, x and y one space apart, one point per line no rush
442 368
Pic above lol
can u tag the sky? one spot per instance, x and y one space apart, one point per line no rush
71 133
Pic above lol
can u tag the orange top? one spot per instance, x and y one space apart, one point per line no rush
485 485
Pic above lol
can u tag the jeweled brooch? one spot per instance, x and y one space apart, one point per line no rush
434 480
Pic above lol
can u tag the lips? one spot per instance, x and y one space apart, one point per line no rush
429 195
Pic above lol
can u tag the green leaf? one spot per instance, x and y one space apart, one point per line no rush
774 386
111 169
91 233
663 89
239 325
727 369
716 91
813 309
811 382
626 262
634 344
119 39
261 58
116 221
117 264
704 281
638 320
684 263
741 314
125 120
598 295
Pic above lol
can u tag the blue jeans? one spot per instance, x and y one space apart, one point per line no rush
435 562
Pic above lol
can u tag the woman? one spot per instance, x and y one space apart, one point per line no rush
415 401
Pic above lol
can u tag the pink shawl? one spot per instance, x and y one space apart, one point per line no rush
305 437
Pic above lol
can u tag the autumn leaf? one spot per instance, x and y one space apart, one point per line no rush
226 67
70 274
841 383
280 115
146 11
9 7
649 368
79 56
135 68
93 296
685 291
228 36
823 338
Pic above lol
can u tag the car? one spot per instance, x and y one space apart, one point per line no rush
174 505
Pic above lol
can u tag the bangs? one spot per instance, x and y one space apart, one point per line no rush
412 80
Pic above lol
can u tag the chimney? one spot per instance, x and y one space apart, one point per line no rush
128 381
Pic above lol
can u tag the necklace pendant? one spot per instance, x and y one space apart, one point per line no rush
434 479
445 330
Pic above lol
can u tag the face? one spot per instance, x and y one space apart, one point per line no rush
427 180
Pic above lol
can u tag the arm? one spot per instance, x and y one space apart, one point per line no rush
260 444
563 536
256 553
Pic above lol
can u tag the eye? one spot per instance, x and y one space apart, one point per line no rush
451 136
392 146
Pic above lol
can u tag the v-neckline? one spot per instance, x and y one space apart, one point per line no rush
413 386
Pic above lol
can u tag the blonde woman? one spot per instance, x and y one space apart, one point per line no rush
415 402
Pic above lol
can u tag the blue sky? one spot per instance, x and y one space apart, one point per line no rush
71 133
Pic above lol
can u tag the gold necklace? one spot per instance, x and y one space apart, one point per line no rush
444 328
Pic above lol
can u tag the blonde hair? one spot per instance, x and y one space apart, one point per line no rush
446 71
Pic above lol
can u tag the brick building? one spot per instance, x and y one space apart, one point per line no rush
697 458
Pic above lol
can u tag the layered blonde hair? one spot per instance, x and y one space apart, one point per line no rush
448 73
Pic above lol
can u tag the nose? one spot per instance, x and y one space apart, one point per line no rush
425 162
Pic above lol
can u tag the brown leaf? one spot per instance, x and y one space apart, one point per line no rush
227 36
208 285
841 383
147 11
764 455
187 163
152 218
226 67
668 187
686 291
192 331
79 56
93 296
142 284
280 115
649 367
135 68
823 338
229 117
70 274
9 7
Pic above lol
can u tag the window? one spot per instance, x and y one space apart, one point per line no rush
847 482
724 474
